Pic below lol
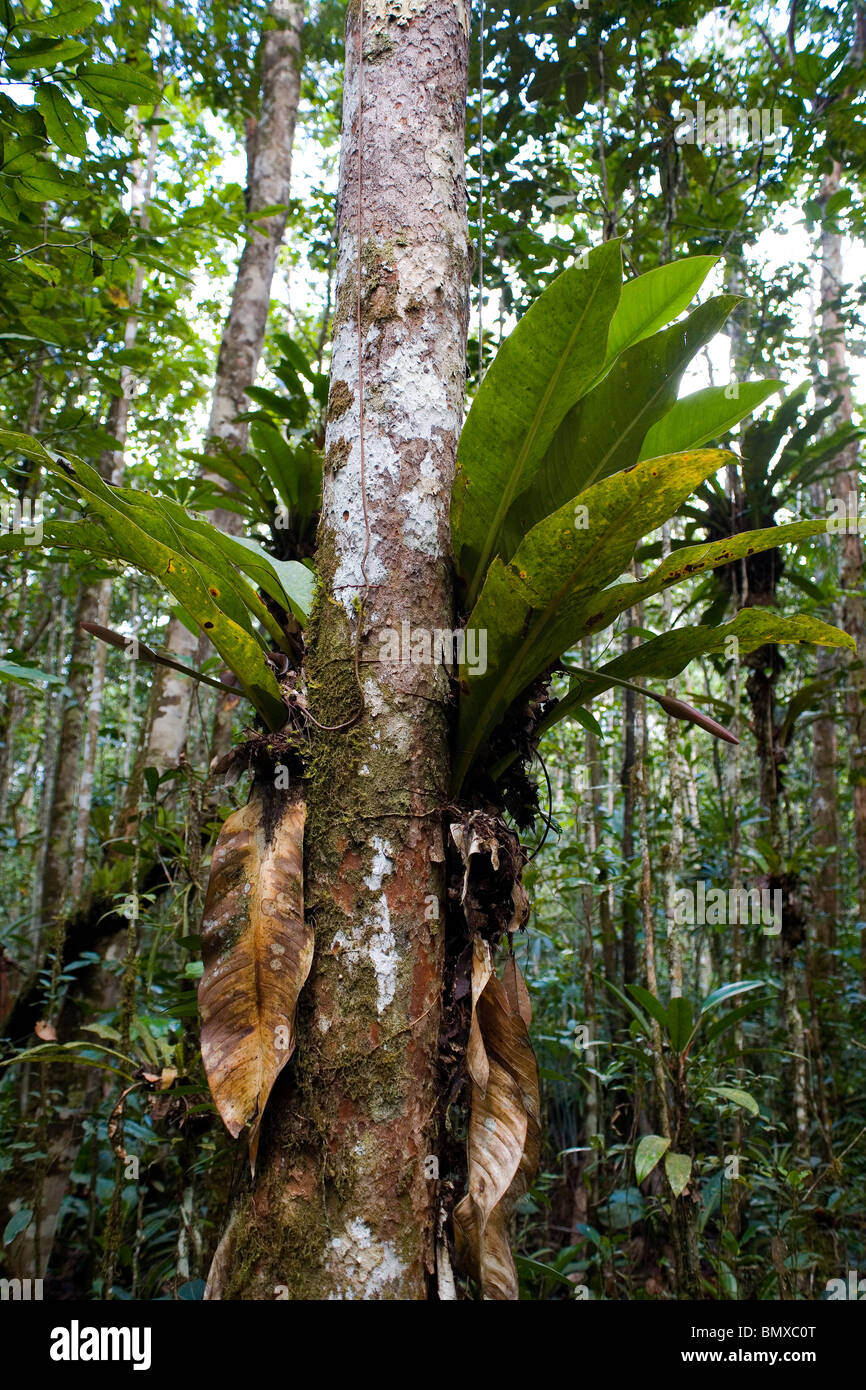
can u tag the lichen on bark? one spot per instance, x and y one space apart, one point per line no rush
341 1206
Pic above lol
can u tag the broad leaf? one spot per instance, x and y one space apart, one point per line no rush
691 560
603 432
195 561
666 656
679 1169
680 1023
504 1138
728 991
737 1097
652 300
540 371
637 1014
537 606
652 1005
16 1224
704 415
477 1063
730 1020
649 1151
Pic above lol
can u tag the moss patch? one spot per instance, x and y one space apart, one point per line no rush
339 399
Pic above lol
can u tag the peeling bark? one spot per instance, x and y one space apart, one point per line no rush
341 1206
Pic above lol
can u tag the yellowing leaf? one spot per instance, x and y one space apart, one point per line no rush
257 953
679 1169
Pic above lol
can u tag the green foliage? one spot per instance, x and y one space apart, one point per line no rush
206 570
558 424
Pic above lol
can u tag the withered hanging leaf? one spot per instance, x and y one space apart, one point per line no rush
497 1135
520 908
476 1055
506 1038
516 992
504 1137
257 953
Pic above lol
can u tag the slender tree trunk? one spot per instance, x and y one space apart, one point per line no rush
846 484
627 774
53 716
672 852
91 600
825 820
87 778
269 173
65 769
586 947
596 833
341 1206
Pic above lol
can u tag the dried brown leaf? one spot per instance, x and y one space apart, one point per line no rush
497 1135
504 1136
507 1039
46 1031
516 992
257 953
519 908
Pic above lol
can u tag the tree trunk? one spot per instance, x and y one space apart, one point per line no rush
88 757
846 484
596 830
269 173
341 1206
627 773
672 852
91 601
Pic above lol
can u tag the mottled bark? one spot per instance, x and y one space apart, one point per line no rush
341 1206
65 779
